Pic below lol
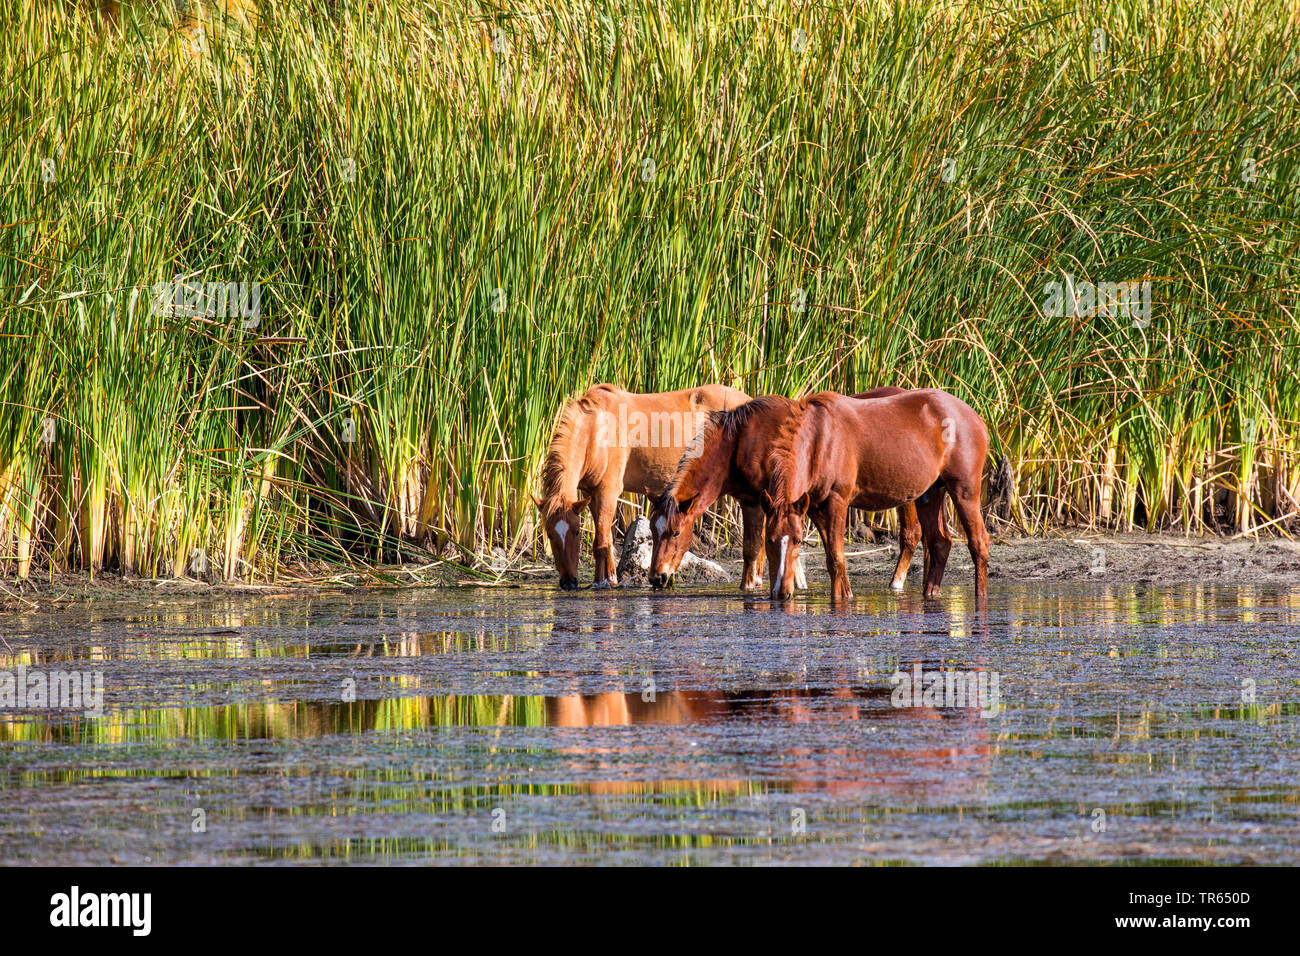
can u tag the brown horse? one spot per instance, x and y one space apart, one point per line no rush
608 442
838 452
734 457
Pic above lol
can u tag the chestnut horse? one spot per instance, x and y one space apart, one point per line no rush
734 457
608 442
838 452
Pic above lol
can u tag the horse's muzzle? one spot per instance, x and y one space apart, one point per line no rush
661 581
569 584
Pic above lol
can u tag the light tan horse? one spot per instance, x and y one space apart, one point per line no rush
611 442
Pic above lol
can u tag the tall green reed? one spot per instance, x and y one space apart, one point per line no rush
458 215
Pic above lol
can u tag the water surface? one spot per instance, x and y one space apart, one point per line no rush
1136 724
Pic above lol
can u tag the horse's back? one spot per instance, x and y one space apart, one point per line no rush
886 411
705 398
600 396
922 413
727 397
949 406
916 400
883 392
658 427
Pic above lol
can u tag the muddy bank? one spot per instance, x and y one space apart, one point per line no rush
52 592
1126 558
1157 558
1120 558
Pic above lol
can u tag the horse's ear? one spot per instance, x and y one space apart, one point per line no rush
580 504
801 505
686 504
537 501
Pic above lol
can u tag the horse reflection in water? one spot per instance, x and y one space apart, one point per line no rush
855 730
836 739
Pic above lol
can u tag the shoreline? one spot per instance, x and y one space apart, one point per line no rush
1108 558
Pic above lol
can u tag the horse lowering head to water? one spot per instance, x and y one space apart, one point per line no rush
609 442
562 520
728 456
839 452
732 455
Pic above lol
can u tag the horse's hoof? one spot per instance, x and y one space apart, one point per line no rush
896 586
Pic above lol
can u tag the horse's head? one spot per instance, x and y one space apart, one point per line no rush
563 522
701 474
784 535
671 528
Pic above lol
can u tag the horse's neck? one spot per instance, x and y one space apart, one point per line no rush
801 462
795 473
708 473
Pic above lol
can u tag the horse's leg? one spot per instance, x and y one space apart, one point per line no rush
966 501
604 504
755 555
909 536
837 521
820 518
934 535
943 532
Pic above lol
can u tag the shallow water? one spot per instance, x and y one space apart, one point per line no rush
527 725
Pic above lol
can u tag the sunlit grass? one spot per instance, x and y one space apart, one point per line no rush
648 185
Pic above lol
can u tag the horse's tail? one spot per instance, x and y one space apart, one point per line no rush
1002 486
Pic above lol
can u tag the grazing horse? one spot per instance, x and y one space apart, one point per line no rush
733 456
608 442
838 452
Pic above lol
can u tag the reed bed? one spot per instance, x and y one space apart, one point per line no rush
457 215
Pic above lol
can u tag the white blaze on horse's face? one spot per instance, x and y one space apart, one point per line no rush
784 536
779 578
658 535
564 528
670 539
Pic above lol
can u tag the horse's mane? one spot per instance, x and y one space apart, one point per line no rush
718 426
557 454
781 460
